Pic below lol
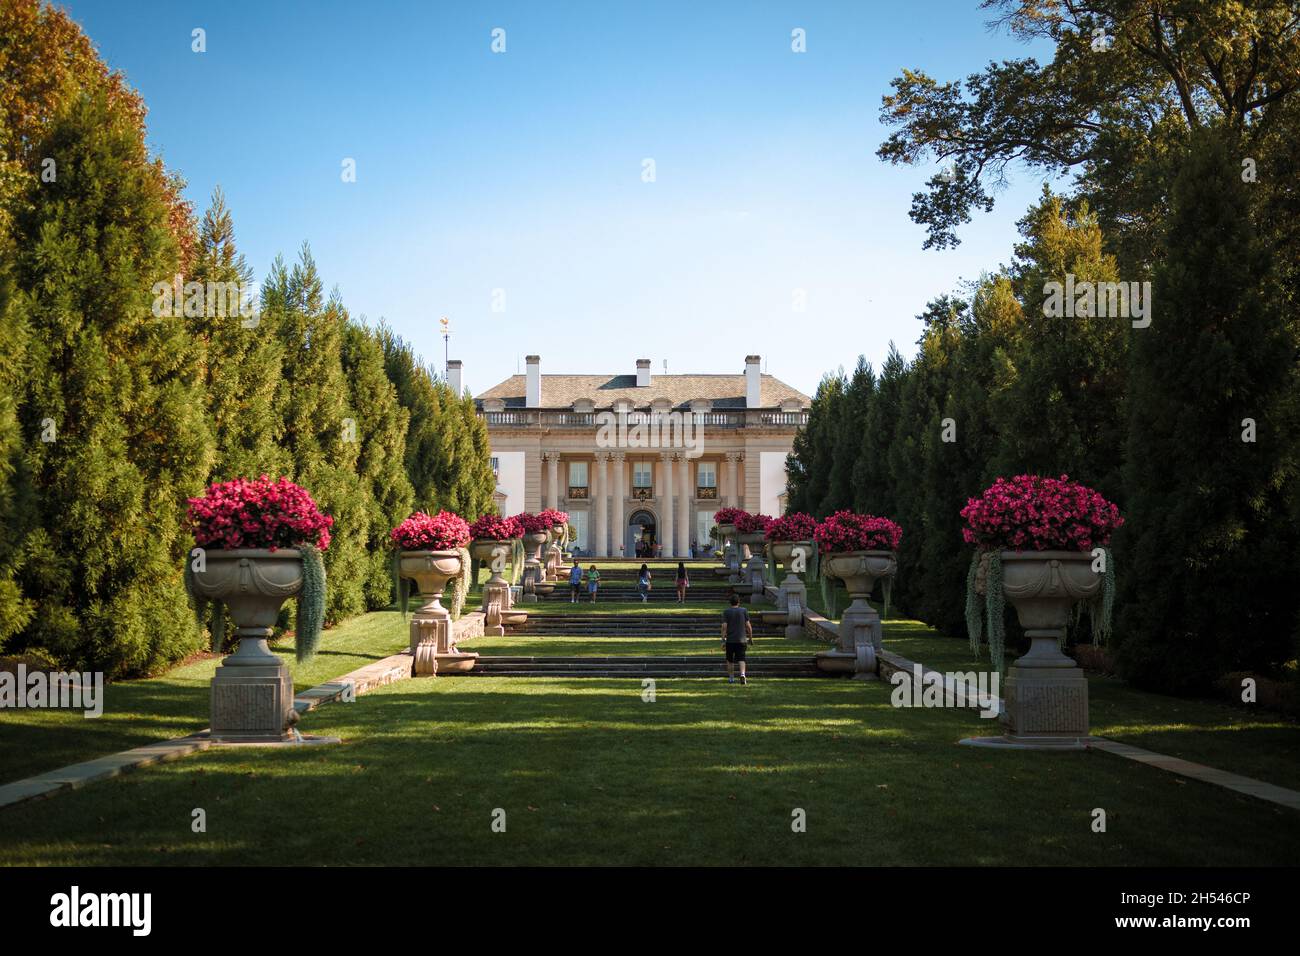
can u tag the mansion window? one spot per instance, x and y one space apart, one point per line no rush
643 480
577 479
706 480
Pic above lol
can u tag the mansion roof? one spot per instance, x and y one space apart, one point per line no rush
722 391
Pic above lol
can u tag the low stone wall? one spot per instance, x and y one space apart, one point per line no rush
818 628
469 626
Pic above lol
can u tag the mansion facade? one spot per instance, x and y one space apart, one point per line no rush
640 462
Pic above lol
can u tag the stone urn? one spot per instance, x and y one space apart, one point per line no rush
860 631
534 568
498 599
433 640
754 573
252 694
484 551
730 554
554 552
792 595
1045 693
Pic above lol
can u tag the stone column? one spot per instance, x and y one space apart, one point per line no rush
739 481
617 493
728 476
666 507
687 493
601 547
553 479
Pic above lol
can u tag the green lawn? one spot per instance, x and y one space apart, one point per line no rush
1257 743
138 712
709 773
588 772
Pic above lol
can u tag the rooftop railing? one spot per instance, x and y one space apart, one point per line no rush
746 418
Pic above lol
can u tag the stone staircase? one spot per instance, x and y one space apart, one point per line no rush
758 666
631 624
618 585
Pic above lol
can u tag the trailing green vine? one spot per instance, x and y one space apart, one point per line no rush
995 610
1101 608
460 584
311 604
202 607
974 612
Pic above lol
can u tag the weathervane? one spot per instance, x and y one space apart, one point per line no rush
445 324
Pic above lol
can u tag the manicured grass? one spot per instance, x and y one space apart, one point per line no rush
174 704
1257 743
588 772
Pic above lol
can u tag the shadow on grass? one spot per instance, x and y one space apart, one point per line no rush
587 771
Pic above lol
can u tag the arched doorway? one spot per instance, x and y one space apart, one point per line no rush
639 535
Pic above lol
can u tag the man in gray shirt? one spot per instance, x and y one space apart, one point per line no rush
737 635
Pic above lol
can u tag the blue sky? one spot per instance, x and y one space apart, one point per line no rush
522 171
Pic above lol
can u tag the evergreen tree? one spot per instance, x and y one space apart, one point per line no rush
320 428
1207 556
381 425
850 415
447 450
119 388
873 487
242 357
1062 412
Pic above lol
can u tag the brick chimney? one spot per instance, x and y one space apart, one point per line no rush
642 373
453 376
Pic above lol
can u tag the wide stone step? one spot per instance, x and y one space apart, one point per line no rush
639 667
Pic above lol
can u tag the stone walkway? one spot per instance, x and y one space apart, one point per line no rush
358 682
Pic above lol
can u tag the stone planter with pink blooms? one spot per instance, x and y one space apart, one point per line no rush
432 550
494 541
1041 545
258 544
790 544
858 550
751 534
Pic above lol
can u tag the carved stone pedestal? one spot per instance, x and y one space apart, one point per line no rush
252 693
1046 693
433 643
860 630
858 645
794 598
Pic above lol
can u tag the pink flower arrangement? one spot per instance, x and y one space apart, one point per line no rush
1032 513
258 513
846 531
747 523
444 531
555 519
533 524
792 527
727 515
495 528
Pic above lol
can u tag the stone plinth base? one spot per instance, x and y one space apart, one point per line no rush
293 739
252 703
1010 742
861 663
459 662
1046 695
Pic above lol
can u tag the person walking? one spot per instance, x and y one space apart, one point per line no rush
575 582
593 582
737 635
683 582
643 582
